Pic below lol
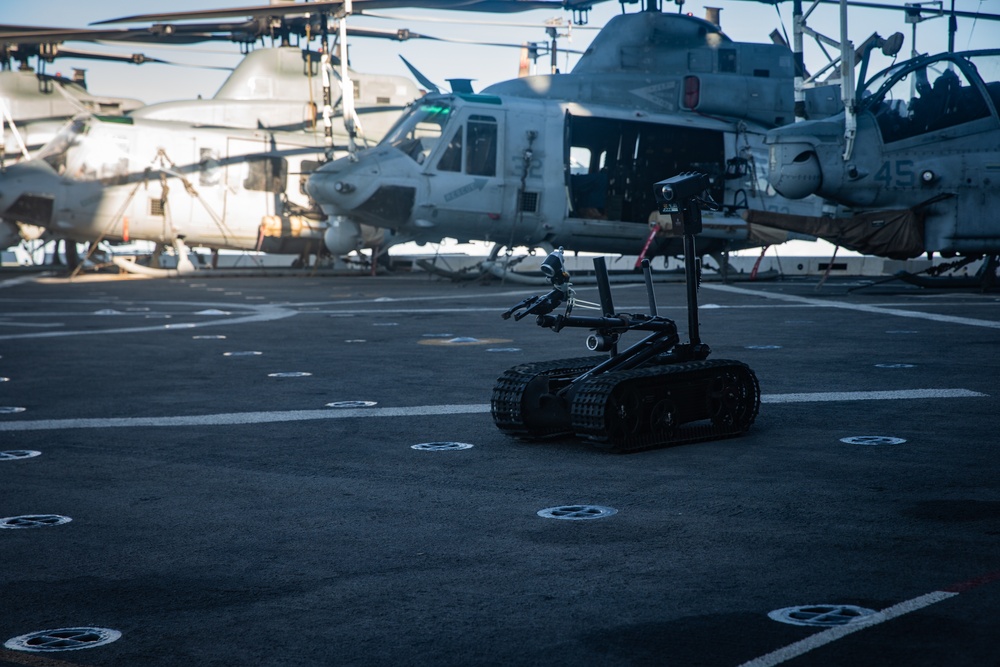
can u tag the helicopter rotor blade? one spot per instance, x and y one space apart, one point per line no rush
419 76
335 6
135 59
551 23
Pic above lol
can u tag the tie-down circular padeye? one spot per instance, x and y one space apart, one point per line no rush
352 404
577 512
33 521
873 440
62 639
823 615
17 454
441 446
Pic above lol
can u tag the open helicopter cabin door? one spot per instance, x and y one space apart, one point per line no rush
612 162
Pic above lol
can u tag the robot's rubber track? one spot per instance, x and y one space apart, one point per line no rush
523 403
664 405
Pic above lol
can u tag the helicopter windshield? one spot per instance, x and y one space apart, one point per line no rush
917 98
55 151
419 129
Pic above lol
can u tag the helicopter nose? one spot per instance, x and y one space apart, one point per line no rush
340 186
795 170
27 192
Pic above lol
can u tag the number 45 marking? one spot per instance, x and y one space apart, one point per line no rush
896 174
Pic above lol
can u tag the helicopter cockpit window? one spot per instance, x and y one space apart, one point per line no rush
481 147
419 129
55 151
266 173
451 159
926 99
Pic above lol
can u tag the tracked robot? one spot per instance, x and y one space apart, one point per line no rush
656 393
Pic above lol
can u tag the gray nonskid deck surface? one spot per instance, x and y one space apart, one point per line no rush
224 514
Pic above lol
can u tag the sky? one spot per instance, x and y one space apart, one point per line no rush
742 20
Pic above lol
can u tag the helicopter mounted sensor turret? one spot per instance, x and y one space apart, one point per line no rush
566 159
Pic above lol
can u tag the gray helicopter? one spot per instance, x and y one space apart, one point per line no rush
204 153
910 167
567 159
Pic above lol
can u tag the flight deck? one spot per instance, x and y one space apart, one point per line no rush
304 471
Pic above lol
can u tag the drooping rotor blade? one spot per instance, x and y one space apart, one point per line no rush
419 76
550 23
909 8
333 6
255 10
37 35
135 59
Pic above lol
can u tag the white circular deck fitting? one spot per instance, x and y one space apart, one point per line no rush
63 639
822 615
763 347
248 353
895 366
33 521
873 440
352 404
107 311
289 374
504 349
2 379
17 454
205 337
577 512
9 410
441 446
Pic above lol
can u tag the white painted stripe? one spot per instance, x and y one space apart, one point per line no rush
13 282
238 418
260 314
833 634
903 394
861 307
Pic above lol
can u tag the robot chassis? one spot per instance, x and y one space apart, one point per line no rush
656 393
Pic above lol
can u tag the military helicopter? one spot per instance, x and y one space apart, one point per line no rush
272 94
566 159
910 167
35 104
